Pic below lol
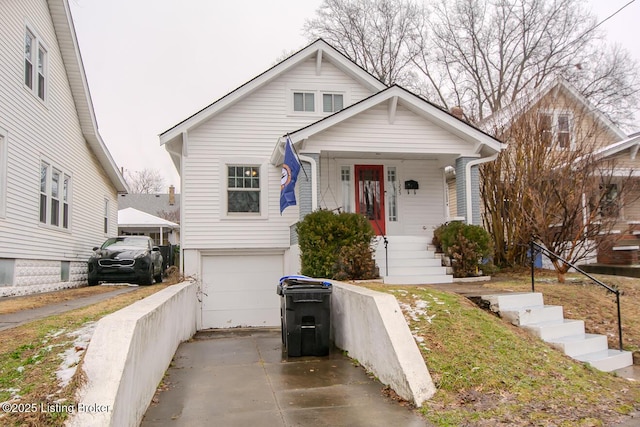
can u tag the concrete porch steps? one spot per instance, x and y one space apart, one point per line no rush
412 261
528 311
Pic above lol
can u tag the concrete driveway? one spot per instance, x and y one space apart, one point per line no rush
242 378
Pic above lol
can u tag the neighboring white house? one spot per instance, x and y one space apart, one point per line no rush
58 182
132 222
364 147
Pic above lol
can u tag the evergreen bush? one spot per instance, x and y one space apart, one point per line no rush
336 246
468 246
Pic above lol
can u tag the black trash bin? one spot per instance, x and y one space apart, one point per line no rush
305 314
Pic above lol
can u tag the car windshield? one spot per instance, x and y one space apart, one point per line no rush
127 242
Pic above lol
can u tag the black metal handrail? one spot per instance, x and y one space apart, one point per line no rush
549 254
386 244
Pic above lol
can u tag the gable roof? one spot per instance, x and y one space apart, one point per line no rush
319 48
484 144
150 203
503 117
130 217
632 143
68 43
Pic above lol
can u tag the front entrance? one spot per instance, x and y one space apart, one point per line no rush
370 195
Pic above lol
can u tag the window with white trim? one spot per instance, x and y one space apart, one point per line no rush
332 102
106 216
35 64
243 189
345 179
555 129
392 193
304 101
55 196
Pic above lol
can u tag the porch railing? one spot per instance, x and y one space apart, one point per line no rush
533 245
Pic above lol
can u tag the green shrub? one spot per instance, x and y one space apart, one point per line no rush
336 245
467 245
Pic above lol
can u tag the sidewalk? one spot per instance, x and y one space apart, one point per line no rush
11 320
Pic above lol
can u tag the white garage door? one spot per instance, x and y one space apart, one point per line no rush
241 290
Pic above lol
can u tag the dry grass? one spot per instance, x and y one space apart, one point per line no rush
488 372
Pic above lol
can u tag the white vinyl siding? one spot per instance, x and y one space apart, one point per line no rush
246 133
48 132
371 132
3 172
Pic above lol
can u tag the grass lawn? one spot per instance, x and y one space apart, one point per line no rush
488 372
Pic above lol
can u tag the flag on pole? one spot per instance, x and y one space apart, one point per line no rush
290 170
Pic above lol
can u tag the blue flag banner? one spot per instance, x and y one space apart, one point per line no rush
290 171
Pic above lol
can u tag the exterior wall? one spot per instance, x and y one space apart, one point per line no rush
418 214
50 131
246 133
371 132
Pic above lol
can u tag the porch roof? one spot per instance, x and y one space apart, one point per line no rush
482 144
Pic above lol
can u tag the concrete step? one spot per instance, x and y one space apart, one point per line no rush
556 328
413 262
575 345
404 254
514 301
418 279
607 360
527 315
417 271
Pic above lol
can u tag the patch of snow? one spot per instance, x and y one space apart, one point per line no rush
71 356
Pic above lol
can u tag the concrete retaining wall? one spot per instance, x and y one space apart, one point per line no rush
129 354
370 326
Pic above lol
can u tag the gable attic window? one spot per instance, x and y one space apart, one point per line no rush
243 189
332 102
304 101
555 129
35 65
55 196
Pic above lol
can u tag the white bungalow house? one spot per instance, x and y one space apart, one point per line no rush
364 147
58 182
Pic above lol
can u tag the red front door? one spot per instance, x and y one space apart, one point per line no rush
370 195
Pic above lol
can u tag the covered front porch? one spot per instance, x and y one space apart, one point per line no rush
386 158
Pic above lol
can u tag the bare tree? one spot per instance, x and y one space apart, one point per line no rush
382 36
556 190
482 54
170 215
146 181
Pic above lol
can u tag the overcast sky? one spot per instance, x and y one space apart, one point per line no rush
152 63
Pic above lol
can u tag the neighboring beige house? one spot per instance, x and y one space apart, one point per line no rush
566 119
364 147
58 182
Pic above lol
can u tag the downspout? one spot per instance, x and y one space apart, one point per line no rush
314 184
467 177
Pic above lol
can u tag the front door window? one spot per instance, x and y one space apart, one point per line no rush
370 195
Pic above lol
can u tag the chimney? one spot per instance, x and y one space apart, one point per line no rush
457 112
172 195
